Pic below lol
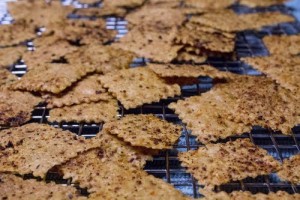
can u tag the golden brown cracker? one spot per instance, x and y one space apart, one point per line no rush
261 3
283 44
99 112
209 4
291 170
11 55
184 56
6 78
145 131
137 86
217 164
36 148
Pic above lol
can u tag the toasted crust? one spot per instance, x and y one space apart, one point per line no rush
13 187
291 170
10 55
137 86
102 111
283 45
16 107
87 90
216 164
107 179
36 148
145 131
59 77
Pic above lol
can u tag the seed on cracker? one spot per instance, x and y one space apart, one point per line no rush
285 71
82 31
104 178
13 187
145 131
261 3
209 4
16 33
87 90
217 164
59 77
156 45
39 13
283 44
16 107
103 58
171 70
245 195
102 111
291 170
6 78
229 21
36 148
137 86
10 55
210 119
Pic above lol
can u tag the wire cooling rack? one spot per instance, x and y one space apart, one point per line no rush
166 165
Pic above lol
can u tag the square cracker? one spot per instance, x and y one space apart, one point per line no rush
13 187
250 104
229 21
58 77
11 55
87 90
16 107
104 178
99 112
217 164
285 71
36 148
103 58
137 86
291 170
283 44
145 131
156 45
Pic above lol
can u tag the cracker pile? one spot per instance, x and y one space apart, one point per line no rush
282 44
145 131
217 164
36 148
291 170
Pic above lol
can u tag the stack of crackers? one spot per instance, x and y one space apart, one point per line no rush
82 73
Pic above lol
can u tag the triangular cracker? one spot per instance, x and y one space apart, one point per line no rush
13 187
145 131
99 112
217 164
137 86
291 170
36 148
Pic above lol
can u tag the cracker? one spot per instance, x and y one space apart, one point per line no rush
16 33
43 15
6 78
16 107
122 3
119 151
210 119
261 3
285 71
229 21
209 4
11 55
171 70
36 148
145 131
88 1
13 187
153 44
87 90
283 45
83 31
137 86
101 12
107 179
245 195
189 57
217 164
291 170
103 58
59 77
99 112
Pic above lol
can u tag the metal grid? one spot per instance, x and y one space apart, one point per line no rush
166 165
